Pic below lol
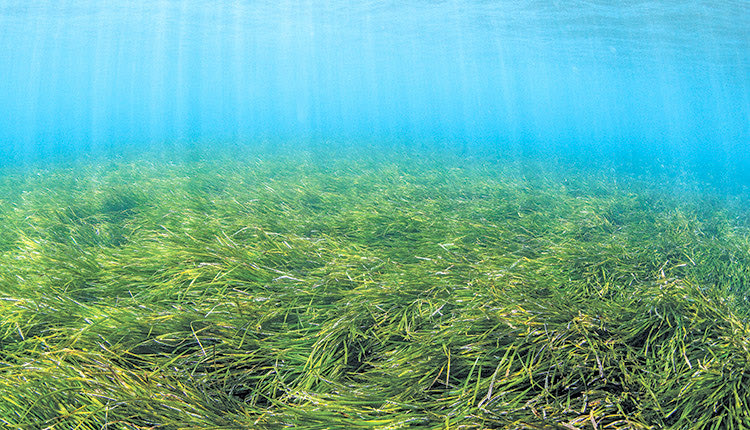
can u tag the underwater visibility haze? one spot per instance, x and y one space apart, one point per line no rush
636 75
375 214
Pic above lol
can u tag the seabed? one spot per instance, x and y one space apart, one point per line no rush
373 290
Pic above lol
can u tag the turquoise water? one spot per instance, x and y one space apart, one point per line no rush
633 80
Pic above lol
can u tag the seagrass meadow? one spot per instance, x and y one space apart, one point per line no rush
268 289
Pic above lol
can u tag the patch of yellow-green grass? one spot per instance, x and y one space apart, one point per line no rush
236 288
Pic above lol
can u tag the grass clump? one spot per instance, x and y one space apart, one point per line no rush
265 290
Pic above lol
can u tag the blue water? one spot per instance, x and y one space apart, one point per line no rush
667 79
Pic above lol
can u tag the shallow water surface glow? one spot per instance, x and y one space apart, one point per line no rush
643 74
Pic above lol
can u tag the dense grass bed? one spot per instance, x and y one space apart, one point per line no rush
378 290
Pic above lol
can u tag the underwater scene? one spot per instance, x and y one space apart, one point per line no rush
372 214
